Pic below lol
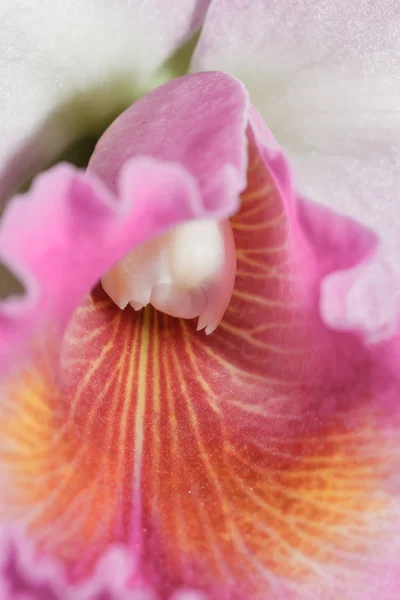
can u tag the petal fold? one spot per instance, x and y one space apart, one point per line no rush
69 216
208 141
324 76
261 461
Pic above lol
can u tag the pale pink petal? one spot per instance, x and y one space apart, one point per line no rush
324 76
184 121
345 255
206 111
68 68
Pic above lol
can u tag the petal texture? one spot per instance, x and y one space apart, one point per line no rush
148 192
207 139
25 576
324 75
85 221
259 462
68 69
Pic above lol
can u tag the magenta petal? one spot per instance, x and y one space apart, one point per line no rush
25 576
259 461
73 229
359 287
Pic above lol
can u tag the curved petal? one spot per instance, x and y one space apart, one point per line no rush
86 221
185 121
259 461
73 241
206 111
324 75
68 69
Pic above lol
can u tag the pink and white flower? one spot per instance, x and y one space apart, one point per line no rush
143 458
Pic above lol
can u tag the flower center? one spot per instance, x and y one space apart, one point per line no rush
187 272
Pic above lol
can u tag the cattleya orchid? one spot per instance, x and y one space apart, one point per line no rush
142 458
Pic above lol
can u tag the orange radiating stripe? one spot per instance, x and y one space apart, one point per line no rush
209 454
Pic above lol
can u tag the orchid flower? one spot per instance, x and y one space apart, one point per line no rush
199 385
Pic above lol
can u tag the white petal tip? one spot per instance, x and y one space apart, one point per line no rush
121 304
209 328
137 305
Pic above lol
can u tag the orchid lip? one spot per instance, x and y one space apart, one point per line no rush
257 461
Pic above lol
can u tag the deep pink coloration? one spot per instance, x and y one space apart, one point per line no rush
87 220
146 129
24 576
182 163
166 175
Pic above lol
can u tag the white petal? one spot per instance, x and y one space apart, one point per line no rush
68 65
325 75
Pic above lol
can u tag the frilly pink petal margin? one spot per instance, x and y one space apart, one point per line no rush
69 228
178 154
212 98
359 291
312 68
23 575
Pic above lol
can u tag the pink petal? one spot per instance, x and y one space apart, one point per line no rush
260 461
324 76
25 576
85 221
88 221
184 121
68 69
213 99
